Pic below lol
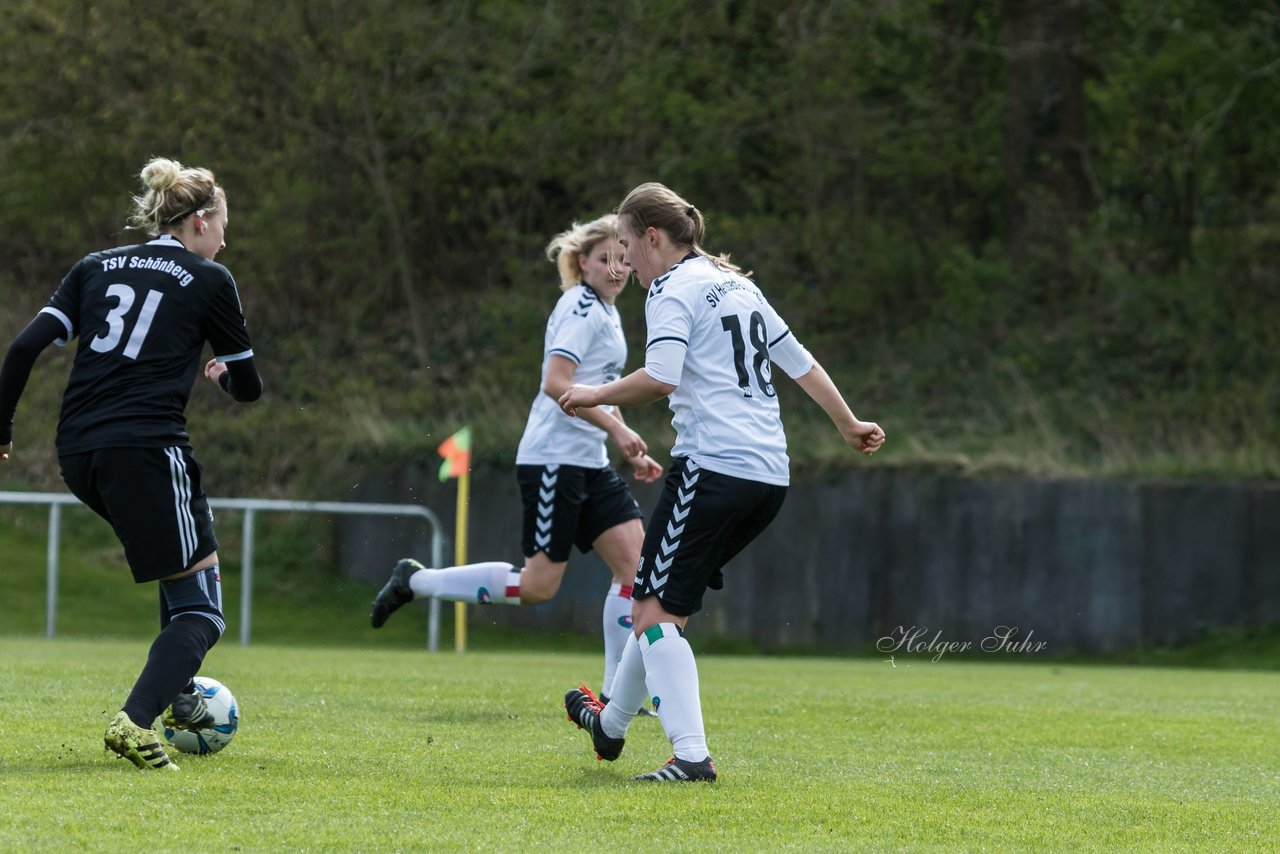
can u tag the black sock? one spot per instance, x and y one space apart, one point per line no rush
166 617
175 657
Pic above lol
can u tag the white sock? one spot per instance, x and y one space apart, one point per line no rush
494 582
671 675
617 628
629 691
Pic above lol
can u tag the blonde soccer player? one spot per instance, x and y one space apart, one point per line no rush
571 494
143 314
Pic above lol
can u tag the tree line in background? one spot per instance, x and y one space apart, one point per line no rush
1024 235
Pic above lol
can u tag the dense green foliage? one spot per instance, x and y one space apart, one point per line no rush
370 749
1027 236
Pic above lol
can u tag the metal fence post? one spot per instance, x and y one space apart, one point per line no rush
51 570
246 576
433 610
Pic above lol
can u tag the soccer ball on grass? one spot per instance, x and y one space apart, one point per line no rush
226 718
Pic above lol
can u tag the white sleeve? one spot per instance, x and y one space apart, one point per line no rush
790 355
664 361
575 330
669 321
784 350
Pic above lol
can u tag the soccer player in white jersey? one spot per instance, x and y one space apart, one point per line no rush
143 314
571 495
712 341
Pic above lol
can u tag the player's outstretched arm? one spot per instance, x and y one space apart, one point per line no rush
16 370
634 389
864 436
559 380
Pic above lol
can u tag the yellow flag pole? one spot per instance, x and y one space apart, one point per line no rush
460 558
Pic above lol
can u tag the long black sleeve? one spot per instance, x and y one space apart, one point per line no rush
242 381
22 355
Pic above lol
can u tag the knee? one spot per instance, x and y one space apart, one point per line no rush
622 564
195 600
624 573
648 612
208 623
219 623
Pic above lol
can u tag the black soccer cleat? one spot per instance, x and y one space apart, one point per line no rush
584 710
682 771
395 592
189 712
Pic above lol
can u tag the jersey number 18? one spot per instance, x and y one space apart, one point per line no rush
759 360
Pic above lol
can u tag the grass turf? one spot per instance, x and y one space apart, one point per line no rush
393 749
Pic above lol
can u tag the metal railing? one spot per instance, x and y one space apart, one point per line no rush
249 507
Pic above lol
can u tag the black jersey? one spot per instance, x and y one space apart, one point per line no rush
142 314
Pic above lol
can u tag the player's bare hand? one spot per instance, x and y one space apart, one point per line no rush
629 441
866 436
214 370
646 468
5 449
576 396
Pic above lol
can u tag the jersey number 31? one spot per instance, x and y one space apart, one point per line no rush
125 297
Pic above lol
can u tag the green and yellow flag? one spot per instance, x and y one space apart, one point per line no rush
456 451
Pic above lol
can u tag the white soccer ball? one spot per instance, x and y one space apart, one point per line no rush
226 717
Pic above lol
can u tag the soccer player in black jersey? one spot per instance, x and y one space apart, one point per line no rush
143 314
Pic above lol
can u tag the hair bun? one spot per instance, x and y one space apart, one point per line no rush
161 174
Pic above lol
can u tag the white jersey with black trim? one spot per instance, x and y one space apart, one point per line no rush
714 336
587 330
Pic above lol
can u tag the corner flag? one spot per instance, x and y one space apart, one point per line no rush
456 451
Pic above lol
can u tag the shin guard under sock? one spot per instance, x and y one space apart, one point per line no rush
175 657
616 625
672 677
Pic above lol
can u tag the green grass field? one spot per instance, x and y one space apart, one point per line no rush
378 748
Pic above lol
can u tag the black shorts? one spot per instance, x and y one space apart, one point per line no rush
700 522
153 499
566 506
